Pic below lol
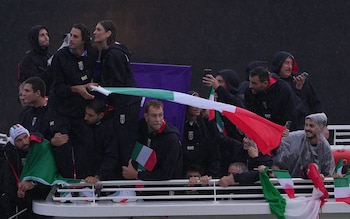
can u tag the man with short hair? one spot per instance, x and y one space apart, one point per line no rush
34 63
106 148
270 97
72 69
307 146
163 139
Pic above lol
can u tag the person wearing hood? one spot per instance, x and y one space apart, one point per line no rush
284 64
270 97
302 147
251 66
116 72
34 63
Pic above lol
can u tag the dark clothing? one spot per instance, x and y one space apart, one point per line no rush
34 63
106 150
276 104
11 166
167 147
199 147
36 120
68 111
306 99
69 70
116 72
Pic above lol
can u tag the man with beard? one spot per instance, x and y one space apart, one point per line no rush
163 139
28 181
34 63
307 146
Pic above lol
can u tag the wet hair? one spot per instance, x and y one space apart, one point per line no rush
98 105
154 103
261 72
195 168
85 34
109 25
240 165
37 84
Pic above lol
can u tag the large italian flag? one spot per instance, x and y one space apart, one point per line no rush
293 208
266 134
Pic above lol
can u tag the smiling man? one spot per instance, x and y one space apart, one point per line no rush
307 146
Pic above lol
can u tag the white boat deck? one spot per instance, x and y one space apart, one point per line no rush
213 202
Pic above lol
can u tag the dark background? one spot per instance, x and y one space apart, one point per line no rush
201 33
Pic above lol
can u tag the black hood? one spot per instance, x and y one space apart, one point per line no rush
279 58
231 79
33 38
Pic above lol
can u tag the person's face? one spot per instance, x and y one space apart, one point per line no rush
193 174
21 97
22 142
256 86
311 129
221 81
286 68
76 40
100 34
43 38
154 118
91 117
247 143
28 95
234 170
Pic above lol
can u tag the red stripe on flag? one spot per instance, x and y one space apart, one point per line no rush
266 134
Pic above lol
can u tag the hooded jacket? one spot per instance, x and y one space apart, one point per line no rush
167 147
116 72
34 63
306 99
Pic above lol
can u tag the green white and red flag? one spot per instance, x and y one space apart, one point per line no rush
285 181
144 156
342 190
266 134
339 166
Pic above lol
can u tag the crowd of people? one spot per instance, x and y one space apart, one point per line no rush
92 137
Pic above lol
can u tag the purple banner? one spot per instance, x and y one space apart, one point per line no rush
168 77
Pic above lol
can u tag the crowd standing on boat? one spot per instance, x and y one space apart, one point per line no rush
92 137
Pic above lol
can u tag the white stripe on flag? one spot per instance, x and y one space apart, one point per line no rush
144 155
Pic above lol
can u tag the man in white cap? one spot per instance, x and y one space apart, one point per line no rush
18 178
307 146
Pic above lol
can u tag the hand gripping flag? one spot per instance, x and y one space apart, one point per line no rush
266 134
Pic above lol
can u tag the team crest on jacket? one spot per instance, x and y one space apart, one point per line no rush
122 118
34 121
81 65
190 135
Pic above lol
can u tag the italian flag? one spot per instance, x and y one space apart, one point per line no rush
342 190
293 208
38 169
213 114
266 134
285 181
144 156
339 166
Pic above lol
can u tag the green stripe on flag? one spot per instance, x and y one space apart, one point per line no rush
143 92
284 174
136 151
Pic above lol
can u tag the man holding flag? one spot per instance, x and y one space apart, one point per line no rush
157 154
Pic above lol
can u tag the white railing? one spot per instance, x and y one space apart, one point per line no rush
339 137
172 198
